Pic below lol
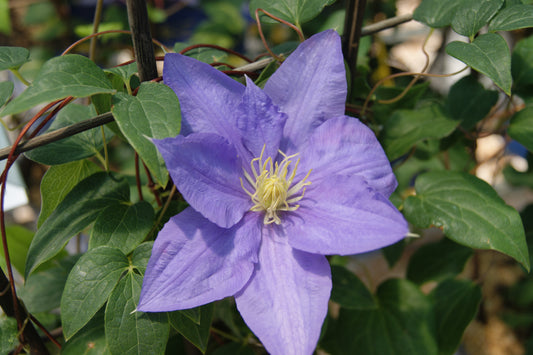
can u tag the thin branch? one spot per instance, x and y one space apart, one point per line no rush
58 134
385 24
142 39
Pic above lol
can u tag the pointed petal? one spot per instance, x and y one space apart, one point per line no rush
344 216
195 262
260 124
345 146
310 87
207 96
286 300
206 170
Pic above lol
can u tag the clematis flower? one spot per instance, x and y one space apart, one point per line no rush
276 178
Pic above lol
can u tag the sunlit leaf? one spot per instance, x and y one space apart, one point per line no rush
153 113
60 77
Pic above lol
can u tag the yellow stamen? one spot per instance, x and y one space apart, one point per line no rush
273 186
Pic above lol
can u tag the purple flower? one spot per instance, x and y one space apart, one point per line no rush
276 179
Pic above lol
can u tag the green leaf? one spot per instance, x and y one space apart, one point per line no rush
9 334
489 55
394 252
90 340
436 261
521 127
141 255
197 334
43 289
124 226
473 15
512 18
456 303
82 145
402 324
58 181
349 291
129 331
18 241
294 11
522 67
436 13
80 207
469 211
153 113
89 285
6 90
13 57
124 72
469 101
405 128
60 77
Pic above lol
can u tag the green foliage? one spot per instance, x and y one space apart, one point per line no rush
472 15
435 13
60 77
455 304
197 332
521 127
512 18
84 145
13 57
403 320
80 207
153 113
6 89
294 11
469 211
469 102
405 128
89 285
124 226
436 261
348 291
488 54
58 181
129 331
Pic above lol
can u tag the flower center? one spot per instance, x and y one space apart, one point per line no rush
274 187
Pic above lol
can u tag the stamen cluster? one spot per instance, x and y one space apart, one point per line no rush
273 186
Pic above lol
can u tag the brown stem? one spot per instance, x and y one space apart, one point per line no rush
142 39
353 23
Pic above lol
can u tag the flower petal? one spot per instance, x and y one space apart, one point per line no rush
343 145
206 170
207 96
310 87
344 216
260 124
286 299
195 262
